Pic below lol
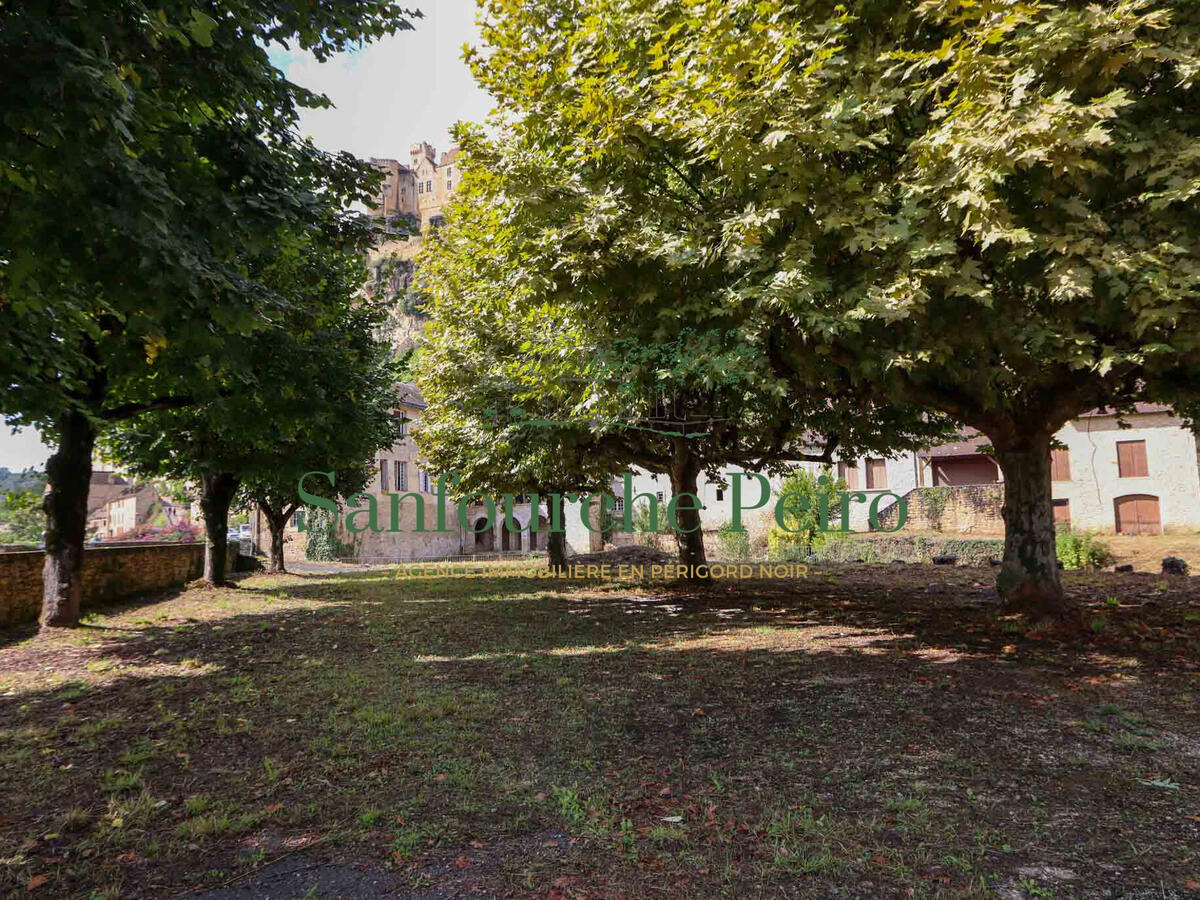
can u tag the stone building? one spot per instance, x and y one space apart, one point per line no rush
403 494
1134 474
418 188
134 505
1138 473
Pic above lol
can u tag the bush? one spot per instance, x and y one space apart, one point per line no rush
323 544
803 536
1081 550
647 536
733 546
838 547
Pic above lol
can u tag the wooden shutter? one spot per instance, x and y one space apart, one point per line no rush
876 474
383 479
848 472
1062 512
1137 514
1131 459
1060 465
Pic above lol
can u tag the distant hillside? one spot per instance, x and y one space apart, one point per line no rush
29 480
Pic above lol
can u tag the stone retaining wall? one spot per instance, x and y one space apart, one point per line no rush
959 509
109 573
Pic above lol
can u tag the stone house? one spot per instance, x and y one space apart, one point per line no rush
102 487
419 188
1138 473
135 505
404 494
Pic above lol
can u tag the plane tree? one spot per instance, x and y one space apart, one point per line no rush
986 210
620 338
146 150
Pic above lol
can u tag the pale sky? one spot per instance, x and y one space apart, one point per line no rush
387 96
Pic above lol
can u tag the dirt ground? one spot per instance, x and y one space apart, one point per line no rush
865 731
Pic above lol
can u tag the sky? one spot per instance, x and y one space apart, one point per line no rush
411 87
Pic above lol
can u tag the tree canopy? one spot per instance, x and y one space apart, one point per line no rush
614 350
149 155
984 209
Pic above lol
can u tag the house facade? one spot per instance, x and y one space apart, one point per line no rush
418 188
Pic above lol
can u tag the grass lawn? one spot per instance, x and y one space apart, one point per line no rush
870 731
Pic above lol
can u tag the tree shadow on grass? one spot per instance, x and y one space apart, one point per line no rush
444 710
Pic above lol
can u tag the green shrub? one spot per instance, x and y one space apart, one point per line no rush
839 547
1081 550
803 536
648 536
933 502
733 545
323 544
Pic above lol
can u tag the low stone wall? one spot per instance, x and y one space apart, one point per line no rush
109 573
959 509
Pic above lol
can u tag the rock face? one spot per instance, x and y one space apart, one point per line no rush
1173 565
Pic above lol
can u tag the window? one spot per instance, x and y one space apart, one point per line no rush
659 496
618 504
383 481
1060 465
401 476
429 187
420 187
1131 459
1062 512
403 426
449 172
426 483
720 494
848 472
876 474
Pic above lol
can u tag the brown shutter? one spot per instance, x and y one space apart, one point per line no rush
876 474
1060 465
1148 518
1131 459
1062 512
1137 514
848 473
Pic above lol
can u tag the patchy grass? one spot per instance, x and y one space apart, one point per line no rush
881 730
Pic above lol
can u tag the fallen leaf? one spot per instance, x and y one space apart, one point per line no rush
36 882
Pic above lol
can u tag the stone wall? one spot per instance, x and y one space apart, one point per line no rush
959 509
109 573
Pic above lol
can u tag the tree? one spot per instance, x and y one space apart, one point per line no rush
315 398
617 349
495 417
21 518
984 209
149 149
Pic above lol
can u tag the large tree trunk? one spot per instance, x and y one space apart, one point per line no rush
685 469
217 493
556 541
1029 575
69 472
